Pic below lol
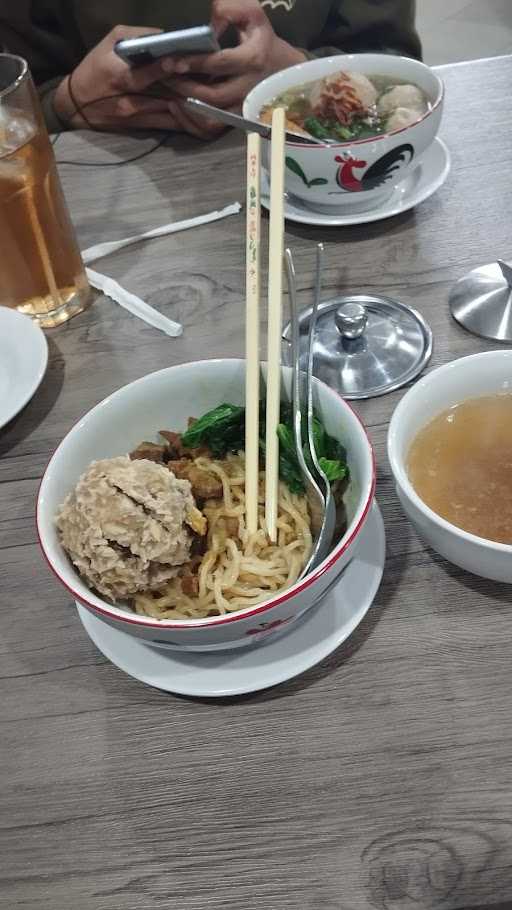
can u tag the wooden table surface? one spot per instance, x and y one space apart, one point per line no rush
382 778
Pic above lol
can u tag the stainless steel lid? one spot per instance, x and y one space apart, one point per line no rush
482 301
365 345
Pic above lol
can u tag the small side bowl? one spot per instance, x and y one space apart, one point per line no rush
165 400
330 177
468 377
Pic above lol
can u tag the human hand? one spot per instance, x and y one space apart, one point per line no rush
259 53
197 125
102 74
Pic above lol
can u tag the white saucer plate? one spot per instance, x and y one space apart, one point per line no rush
421 183
23 361
244 670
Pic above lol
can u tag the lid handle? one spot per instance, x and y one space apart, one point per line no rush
506 271
351 320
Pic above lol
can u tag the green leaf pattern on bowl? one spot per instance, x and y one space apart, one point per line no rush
295 167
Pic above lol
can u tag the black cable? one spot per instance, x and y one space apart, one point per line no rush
76 105
79 110
150 151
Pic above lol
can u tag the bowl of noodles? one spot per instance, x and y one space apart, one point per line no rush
141 511
375 116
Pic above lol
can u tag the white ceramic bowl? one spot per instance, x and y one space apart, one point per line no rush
167 399
468 377
335 176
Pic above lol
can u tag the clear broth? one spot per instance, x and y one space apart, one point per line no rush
300 112
460 464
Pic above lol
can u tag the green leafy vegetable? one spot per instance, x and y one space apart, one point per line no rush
319 438
289 469
343 132
333 470
285 434
359 128
223 430
315 126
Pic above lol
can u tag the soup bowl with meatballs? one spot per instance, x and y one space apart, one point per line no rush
375 116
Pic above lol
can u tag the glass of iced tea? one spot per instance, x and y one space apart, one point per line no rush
41 270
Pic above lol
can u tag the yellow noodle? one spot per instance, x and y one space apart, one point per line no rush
237 572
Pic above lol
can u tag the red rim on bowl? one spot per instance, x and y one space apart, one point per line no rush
119 614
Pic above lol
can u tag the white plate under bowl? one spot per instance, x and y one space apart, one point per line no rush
23 361
424 180
244 670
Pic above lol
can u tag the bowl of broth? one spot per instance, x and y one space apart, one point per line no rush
450 451
375 115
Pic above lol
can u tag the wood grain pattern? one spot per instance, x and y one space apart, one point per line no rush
379 779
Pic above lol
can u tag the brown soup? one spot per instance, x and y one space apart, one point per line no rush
460 464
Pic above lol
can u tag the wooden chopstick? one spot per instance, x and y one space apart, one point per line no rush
252 332
275 293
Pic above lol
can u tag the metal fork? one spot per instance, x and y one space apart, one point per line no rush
321 504
327 531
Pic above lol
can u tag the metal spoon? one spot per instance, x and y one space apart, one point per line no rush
314 495
242 123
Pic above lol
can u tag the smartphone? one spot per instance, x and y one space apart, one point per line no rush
147 48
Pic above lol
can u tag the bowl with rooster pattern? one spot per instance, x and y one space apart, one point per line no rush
359 174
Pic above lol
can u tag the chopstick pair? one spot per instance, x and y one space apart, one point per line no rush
274 325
